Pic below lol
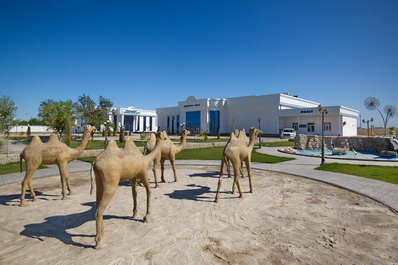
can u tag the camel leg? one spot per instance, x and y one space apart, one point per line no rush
220 180
107 194
32 192
248 167
154 167
234 182
148 198
30 169
133 183
162 160
236 179
241 169
173 165
64 176
228 168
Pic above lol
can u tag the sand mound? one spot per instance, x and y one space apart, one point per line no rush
287 220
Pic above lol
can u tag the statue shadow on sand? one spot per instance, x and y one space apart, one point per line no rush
57 226
6 199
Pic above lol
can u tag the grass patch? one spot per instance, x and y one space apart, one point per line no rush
14 168
215 153
382 173
89 159
100 144
278 144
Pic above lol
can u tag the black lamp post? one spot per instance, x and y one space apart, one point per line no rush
259 135
367 122
323 111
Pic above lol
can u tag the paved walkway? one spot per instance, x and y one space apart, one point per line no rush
383 192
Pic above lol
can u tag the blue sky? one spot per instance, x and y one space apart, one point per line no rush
151 54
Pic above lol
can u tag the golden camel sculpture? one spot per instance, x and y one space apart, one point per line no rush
50 153
116 165
237 151
168 150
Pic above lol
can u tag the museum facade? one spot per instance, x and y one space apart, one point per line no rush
270 113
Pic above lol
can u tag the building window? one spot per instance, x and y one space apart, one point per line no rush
311 127
295 126
128 123
150 124
178 123
172 124
328 126
214 121
193 121
168 125
144 125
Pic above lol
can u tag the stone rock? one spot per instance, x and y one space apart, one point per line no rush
388 153
339 151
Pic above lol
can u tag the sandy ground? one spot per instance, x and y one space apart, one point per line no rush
287 220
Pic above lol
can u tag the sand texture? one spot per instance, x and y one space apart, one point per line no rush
286 220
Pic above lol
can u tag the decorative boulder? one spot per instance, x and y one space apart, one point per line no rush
388 153
339 151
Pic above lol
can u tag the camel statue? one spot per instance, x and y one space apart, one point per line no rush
169 150
242 136
237 151
50 153
116 165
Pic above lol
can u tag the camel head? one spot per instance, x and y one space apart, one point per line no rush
89 129
254 131
185 133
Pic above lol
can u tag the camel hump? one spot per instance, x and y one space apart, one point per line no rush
111 146
53 137
129 144
163 135
36 140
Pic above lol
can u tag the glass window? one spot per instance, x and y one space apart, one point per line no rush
214 121
193 121
328 126
150 123
128 123
295 126
311 127
168 124
178 123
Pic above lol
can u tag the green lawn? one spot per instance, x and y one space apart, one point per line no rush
14 167
279 144
382 173
214 153
92 145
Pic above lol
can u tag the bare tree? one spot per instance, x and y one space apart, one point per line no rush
372 103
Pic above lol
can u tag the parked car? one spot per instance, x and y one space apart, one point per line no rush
288 133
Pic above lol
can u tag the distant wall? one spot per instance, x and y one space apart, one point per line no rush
370 144
23 129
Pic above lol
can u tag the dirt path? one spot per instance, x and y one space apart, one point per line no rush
287 220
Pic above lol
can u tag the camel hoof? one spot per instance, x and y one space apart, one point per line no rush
35 199
215 200
146 219
22 204
100 246
163 181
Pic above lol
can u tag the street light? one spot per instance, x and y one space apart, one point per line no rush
323 111
367 122
259 135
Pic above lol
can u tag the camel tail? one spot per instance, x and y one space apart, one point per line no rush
92 178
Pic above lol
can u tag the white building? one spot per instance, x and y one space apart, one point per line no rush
277 111
134 120
130 119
